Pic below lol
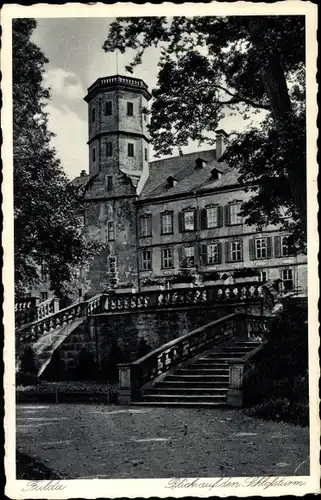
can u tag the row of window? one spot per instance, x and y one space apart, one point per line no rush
109 151
109 109
210 217
167 262
211 253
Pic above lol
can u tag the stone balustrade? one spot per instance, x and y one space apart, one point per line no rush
133 376
33 331
159 299
47 308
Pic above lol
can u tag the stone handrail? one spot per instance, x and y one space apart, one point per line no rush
33 331
202 295
46 308
26 310
257 327
134 376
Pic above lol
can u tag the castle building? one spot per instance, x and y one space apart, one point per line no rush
163 218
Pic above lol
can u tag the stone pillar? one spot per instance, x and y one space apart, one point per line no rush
234 394
125 388
55 305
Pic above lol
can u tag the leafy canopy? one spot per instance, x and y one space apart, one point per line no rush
45 204
213 66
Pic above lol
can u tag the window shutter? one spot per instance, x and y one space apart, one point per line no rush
203 218
227 251
149 226
181 222
181 255
195 220
252 248
269 246
277 246
219 252
227 215
220 216
241 245
203 254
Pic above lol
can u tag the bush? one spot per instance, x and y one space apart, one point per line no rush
277 386
86 366
28 361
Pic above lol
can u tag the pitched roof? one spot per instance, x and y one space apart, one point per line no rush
189 178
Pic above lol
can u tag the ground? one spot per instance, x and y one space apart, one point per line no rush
97 441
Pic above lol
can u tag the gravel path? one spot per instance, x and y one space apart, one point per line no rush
97 441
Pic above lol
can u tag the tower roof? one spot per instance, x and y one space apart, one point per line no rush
116 82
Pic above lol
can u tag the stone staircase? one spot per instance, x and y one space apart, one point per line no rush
203 381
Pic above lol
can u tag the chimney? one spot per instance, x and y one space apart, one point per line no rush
83 173
221 139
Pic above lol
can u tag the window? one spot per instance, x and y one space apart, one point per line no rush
112 265
109 182
110 230
130 149
145 225
187 220
167 223
108 108
93 115
212 253
263 276
261 248
231 214
109 149
130 109
189 256
234 211
167 258
94 154
145 154
44 272
286 248
212 217
235 251
43 296
287 278
146 260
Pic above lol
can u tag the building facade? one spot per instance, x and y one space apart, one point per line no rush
170 218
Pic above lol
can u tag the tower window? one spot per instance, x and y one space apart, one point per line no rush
94 154
108 108
111 230
130 109
130 149
93 115
145 154
109 149
109 182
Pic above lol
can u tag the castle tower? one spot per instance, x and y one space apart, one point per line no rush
117 123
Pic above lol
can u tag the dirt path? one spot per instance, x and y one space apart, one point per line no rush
96 441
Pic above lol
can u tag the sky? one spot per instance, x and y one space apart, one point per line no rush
73 47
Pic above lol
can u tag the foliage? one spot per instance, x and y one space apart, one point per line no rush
28 361
246 272
87 368
143 348
213 67
277 386
46 229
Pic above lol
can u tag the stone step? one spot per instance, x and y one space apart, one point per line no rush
182 391
207 365
199 383
199 377
202 398
182 404
213 361
197 370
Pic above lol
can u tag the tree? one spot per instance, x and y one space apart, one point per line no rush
45 203
211 66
